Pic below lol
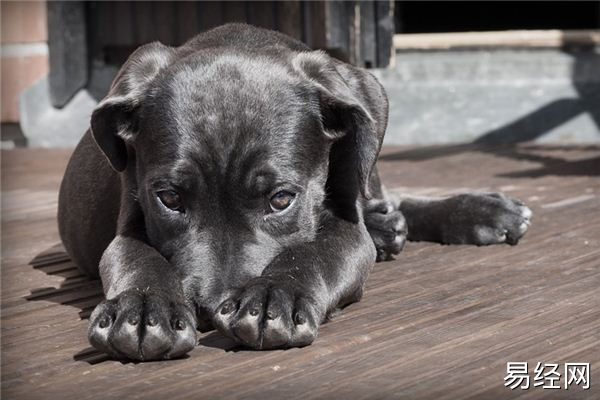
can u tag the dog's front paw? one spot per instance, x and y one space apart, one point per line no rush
142 326
267 314
387 228
487 218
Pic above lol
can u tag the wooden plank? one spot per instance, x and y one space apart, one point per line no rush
517 38
262 13
289 18
122 17
145 31
338 29
339 22
163 22
368 34
384 12
187 21
210 14
315 24
67 50
235 11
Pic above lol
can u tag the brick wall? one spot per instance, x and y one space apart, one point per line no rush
24 52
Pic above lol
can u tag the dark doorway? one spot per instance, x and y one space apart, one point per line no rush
434 16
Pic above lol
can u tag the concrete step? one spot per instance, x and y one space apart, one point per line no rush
547 95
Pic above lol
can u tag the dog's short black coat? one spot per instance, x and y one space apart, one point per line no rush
231 183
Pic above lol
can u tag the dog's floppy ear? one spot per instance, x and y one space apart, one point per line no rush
114 121
346 121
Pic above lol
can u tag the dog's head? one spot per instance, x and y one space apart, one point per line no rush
232 157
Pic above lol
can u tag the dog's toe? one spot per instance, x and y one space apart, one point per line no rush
276 333
525 211
126 340
247 329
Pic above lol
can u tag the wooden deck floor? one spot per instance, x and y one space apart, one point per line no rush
437 323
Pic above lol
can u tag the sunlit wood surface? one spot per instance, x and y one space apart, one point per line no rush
439 322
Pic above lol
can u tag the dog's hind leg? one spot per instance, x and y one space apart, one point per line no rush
88 206
469 218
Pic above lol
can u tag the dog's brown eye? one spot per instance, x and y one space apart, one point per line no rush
170 199
281 200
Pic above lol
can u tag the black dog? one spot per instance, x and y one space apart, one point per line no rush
231 183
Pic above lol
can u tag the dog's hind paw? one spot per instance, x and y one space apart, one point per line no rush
141 326
267 314
486 218
387 228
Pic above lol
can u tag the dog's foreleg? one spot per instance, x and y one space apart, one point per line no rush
285 306
144 316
